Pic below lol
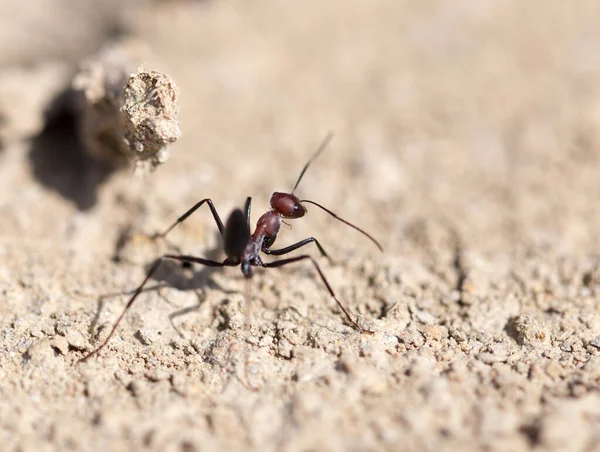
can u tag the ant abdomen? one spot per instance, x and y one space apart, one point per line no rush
287 205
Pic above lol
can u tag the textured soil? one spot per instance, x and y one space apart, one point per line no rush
467 140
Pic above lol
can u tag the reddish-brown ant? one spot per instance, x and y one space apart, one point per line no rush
243 248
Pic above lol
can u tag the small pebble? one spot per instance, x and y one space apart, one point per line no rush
61 344
266 340
528 331
284 348
40 352
458 335
36 332
76 340
566 347
411 337
433 332
146 336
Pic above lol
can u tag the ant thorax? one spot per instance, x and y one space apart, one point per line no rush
267 228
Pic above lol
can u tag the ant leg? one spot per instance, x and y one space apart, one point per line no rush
295 246
247 210
183 217
196 260
306 256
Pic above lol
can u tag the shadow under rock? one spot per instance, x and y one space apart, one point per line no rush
59 160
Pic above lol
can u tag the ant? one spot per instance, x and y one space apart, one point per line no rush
243 248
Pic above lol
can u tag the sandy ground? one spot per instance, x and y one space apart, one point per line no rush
467 139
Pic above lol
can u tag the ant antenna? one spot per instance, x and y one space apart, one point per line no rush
346 222
320 149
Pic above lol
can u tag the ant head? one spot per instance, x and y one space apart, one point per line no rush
287 205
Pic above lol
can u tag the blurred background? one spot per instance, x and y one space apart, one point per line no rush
484 116
468 126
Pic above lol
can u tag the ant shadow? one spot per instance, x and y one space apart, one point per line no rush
58 157
169 274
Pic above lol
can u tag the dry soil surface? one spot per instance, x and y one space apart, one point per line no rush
467 140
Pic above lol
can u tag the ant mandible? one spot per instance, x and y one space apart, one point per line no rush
243 248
